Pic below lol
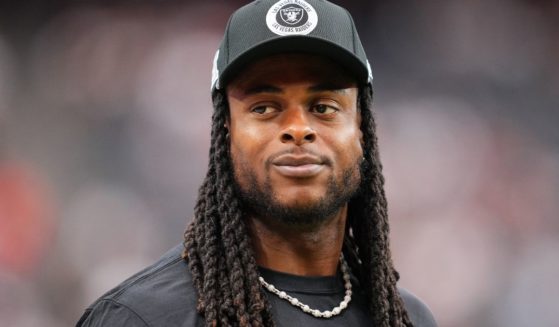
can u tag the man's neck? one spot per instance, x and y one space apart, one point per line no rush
312 251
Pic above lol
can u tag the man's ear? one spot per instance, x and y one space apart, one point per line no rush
361 139
227 126
359 118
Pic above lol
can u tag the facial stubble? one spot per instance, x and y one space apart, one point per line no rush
260 199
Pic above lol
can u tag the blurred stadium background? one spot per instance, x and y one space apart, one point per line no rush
104 132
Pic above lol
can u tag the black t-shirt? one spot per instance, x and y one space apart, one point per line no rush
163 295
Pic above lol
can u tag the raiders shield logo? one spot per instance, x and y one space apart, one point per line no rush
291 17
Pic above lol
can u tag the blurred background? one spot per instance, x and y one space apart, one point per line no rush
104 132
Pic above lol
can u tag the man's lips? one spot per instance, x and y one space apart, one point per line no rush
298 166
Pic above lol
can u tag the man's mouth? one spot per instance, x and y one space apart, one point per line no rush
298 166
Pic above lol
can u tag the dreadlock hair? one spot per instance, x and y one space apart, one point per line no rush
221 259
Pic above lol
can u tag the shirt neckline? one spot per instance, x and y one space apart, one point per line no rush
303 284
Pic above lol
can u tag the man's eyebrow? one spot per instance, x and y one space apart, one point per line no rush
263 88
333 87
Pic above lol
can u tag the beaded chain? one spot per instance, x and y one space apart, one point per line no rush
317 313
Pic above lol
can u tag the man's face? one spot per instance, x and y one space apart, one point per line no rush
295 137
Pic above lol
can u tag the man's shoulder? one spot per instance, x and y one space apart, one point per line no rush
418 311
161 294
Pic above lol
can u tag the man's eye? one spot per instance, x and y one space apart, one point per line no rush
324 109
263 110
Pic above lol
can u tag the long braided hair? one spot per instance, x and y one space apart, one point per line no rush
219 252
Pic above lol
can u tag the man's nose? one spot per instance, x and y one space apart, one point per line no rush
297 128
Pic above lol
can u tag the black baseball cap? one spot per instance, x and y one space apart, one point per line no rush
266 27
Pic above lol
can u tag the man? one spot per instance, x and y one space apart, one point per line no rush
290 226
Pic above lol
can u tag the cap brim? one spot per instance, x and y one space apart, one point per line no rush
297 44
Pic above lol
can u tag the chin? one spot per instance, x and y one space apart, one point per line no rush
299 198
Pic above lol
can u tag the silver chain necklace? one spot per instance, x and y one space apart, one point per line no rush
317 313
